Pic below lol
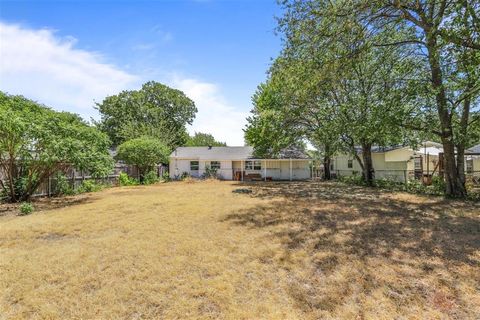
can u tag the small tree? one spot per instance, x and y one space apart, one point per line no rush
144 152
37 142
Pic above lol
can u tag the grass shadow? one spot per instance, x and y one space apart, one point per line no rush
338 225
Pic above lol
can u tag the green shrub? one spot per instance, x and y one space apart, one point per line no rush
389 184
26 208
415 186
210 173
63 187
438 184
125 180
184 175
352 179
150 178
89 186
166 176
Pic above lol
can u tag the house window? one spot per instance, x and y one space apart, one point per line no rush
331 167
253 165
418 163
193 165
215 164
469 165
350 164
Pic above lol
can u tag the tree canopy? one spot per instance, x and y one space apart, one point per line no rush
358 73
143 152
37 142
200 139
155 110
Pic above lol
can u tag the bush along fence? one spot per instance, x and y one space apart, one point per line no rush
404 176
77 181
411 181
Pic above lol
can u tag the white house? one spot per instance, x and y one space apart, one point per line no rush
402 162
238 163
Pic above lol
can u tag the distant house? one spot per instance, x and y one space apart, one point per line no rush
238 163
402 162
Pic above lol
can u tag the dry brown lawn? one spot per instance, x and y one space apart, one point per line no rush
285 251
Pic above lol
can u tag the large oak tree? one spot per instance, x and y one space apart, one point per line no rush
155 110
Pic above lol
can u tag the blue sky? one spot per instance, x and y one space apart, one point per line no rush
67 54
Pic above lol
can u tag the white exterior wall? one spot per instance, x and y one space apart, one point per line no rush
225 171
394 170
179 166
278 170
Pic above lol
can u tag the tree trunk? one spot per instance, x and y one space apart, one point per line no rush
454 185
461 145
368 172
327 175
11 177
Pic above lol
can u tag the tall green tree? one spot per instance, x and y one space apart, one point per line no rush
143 152
268 129
337 94
447 38
442 36
200 139
37 142
155 110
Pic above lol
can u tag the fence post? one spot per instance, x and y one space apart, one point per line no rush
49 192
73 179
405 176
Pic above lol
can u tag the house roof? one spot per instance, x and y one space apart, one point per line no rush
208 153
379 149
229 153
475 149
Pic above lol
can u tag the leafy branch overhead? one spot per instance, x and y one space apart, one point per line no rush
362 73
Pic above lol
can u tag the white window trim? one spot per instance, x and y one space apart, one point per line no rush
350 164
253 165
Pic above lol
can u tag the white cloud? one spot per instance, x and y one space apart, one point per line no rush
215 115
49 69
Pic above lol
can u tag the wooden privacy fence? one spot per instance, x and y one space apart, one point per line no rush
75 178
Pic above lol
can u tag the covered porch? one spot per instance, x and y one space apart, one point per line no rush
271 169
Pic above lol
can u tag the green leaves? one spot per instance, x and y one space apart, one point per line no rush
200 139
155 110
144 152
36 142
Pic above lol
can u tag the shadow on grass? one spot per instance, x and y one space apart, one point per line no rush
350 223
376 224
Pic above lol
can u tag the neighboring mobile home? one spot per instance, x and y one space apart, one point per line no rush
238 163
401 163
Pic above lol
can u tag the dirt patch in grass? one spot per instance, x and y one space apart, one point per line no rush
200 250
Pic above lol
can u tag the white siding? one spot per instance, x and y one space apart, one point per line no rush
179 166
276 169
